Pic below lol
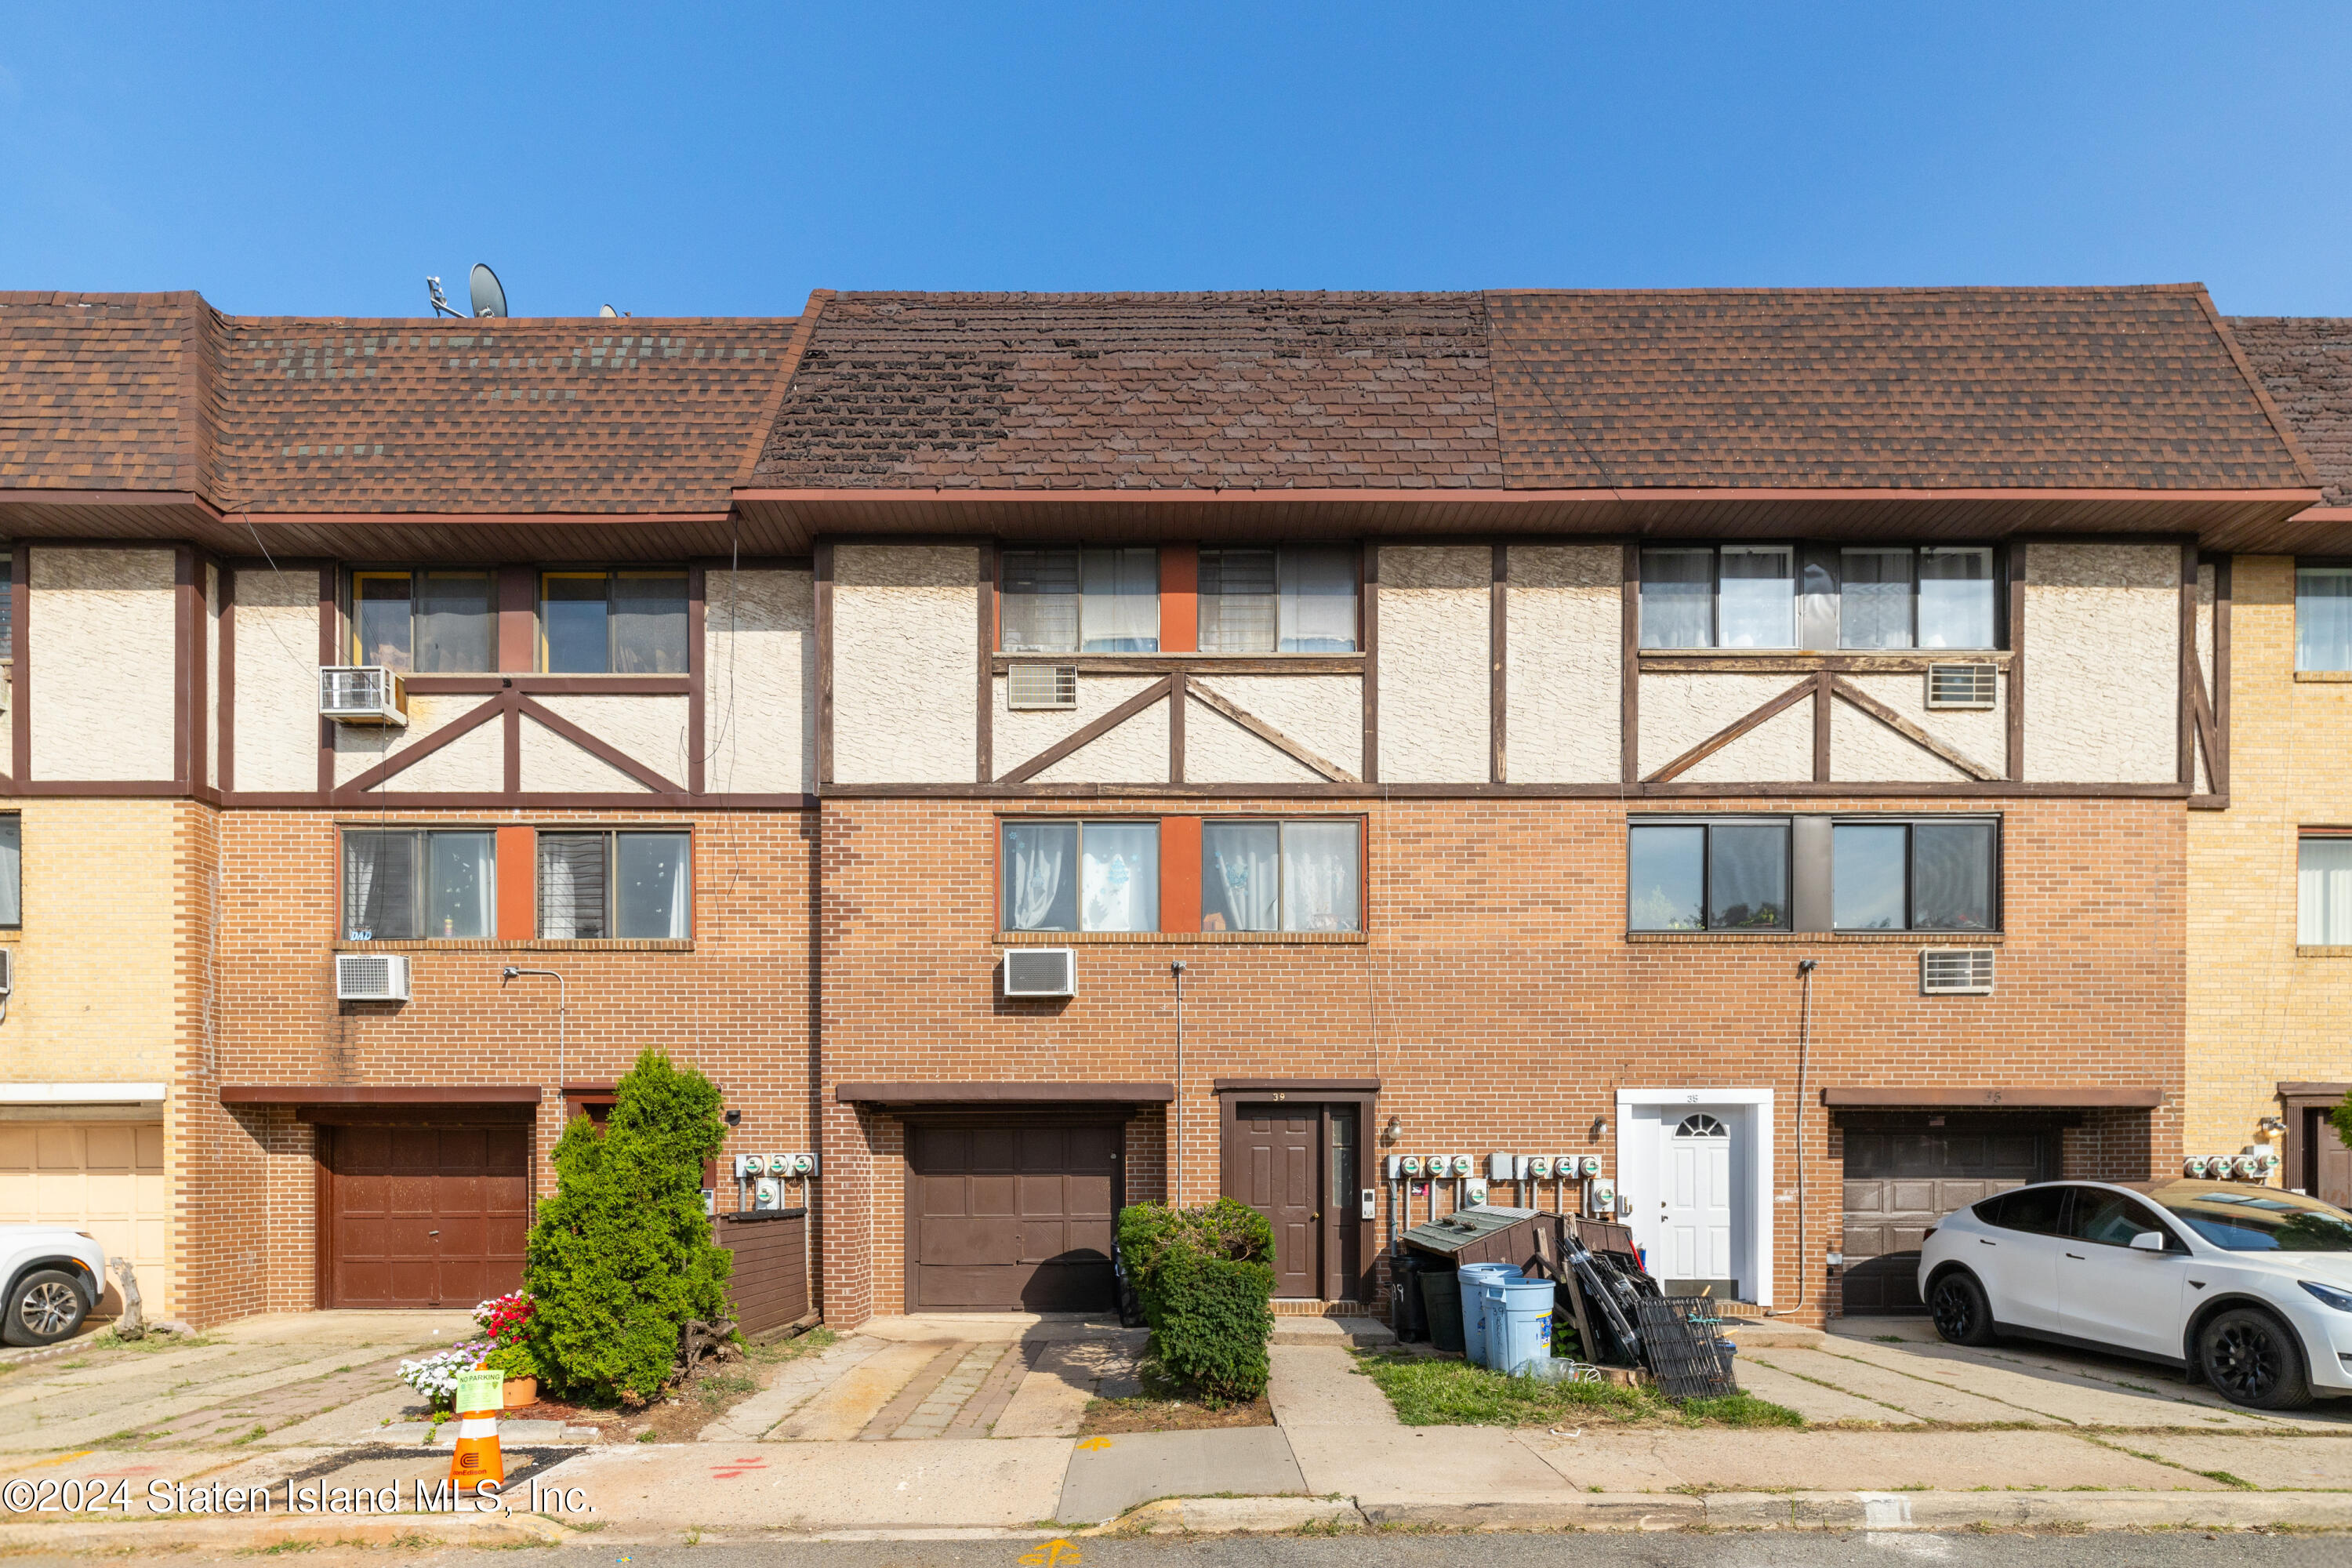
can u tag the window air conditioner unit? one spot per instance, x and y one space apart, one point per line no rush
1031 686
370 977
1040 972
1962 685
362 694
1955 972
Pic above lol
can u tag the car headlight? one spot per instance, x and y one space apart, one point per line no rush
2339 1299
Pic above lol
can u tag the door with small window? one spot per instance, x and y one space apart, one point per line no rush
1299 1164
1694 1220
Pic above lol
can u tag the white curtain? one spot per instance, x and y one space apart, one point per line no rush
2322 617
1118 877
1237 601
1037 857
1322 880
1757 597
1240 888
1121 607
2324 893
1874 598
1318 608
1955 596
12 870
359 883
1678 598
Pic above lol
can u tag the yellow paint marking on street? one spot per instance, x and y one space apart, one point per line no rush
61 1459
1056 1554
1094 1442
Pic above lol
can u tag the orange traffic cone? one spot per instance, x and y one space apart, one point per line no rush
479 1396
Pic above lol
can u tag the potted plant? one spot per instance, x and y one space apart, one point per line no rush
506 1321
435 1376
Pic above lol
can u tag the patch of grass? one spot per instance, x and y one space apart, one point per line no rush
647 1435
249 1436
284 1547
2227 1480
809 1343
1887 1338
1432 1393
717 1388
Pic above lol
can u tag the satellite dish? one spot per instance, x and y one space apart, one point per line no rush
489 298
607 311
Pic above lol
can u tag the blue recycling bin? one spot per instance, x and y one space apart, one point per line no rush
1473 1321
1517 1322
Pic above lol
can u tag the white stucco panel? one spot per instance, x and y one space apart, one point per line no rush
1563 613
652 730
1678 711
473 764
101 650
358 747
1863 750
1134 752
760 695
1324 713
1015 737
1218 750
275 622
2103 663
1981 734
904 629
552 765
1433 663
1777 750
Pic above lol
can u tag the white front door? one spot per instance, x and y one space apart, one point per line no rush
1695 1197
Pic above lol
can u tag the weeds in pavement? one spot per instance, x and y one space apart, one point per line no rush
283 1547
1430 1393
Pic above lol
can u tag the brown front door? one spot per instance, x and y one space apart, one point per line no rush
1011 1216
1280 1167
2331 1162
424 1217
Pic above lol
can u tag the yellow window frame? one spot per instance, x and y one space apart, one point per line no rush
359 581
547 577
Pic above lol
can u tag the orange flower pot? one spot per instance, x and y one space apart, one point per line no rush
521 1391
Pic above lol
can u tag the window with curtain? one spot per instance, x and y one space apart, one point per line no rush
12 871
2324 891
406 884
426 621
627 621
1914 876
1882 595
1727 874
1298 598
1064 875
1096 600
1304 875
2323 616
603 885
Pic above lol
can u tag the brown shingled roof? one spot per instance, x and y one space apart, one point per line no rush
2305 362
102 391
1091 391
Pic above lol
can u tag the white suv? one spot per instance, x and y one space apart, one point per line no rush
2250 1285
55 1277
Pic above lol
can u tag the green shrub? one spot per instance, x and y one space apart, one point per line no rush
1206 1279
514 1360
622 1254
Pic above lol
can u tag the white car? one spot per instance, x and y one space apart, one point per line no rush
2250 1285
55 1277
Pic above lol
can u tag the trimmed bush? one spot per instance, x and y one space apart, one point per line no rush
1206 1279
622 1256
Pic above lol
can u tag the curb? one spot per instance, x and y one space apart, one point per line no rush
1231 1515
180 1532
1874 1511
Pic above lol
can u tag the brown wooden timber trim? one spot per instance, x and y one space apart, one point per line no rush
20 642
1904 727
329 652
1191 663
1821 715
1805 789
476 800
1371 613
985 719
1664 662
2013 718
1297 1085
2217 760
1498 635
409 756
2147 1099
2201 709
552 685
1990 789
115 789
1094 729
597 747
698 665
225 772
1002 1093
824 611
2189 672
1270 736
187 682
1180 697
1629 668
1732 731
388 1094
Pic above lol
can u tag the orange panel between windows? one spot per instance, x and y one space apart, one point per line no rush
1179 873
518 883
1180 612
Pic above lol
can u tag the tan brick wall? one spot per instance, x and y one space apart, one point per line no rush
2260 1013
1498 998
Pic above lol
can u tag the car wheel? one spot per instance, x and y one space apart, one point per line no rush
47 1306
2252 1358
1962 1314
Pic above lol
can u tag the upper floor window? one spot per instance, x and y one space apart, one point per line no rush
1925 875
407 883
1061 875
1768 873
1082 601
628 621
2324 891
1281 875
427 621
1732 874
1300 598
1818 596
599 885
12 871
2323 616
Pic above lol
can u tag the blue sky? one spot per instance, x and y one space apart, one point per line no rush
682 160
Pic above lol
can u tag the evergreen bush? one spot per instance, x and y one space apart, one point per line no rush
621 1254
1206 1279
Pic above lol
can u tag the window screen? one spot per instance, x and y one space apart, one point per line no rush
401 885
572 886
2322 617
1281 875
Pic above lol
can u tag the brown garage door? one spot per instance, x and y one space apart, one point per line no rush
1900 1181
1005 1216
422 1216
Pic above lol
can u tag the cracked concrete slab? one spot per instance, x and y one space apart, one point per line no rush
1108 1476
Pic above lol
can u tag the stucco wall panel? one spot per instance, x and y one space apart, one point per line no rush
1433 665
358 747
1778 750
1218 750
1678 711
1134 752
760 693
2103 663
1015 737
101 647
1863 750
275 741
652 730
1324 713
903 629
552 765
1564 613
1979 734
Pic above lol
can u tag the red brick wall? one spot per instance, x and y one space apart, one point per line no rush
1497 997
